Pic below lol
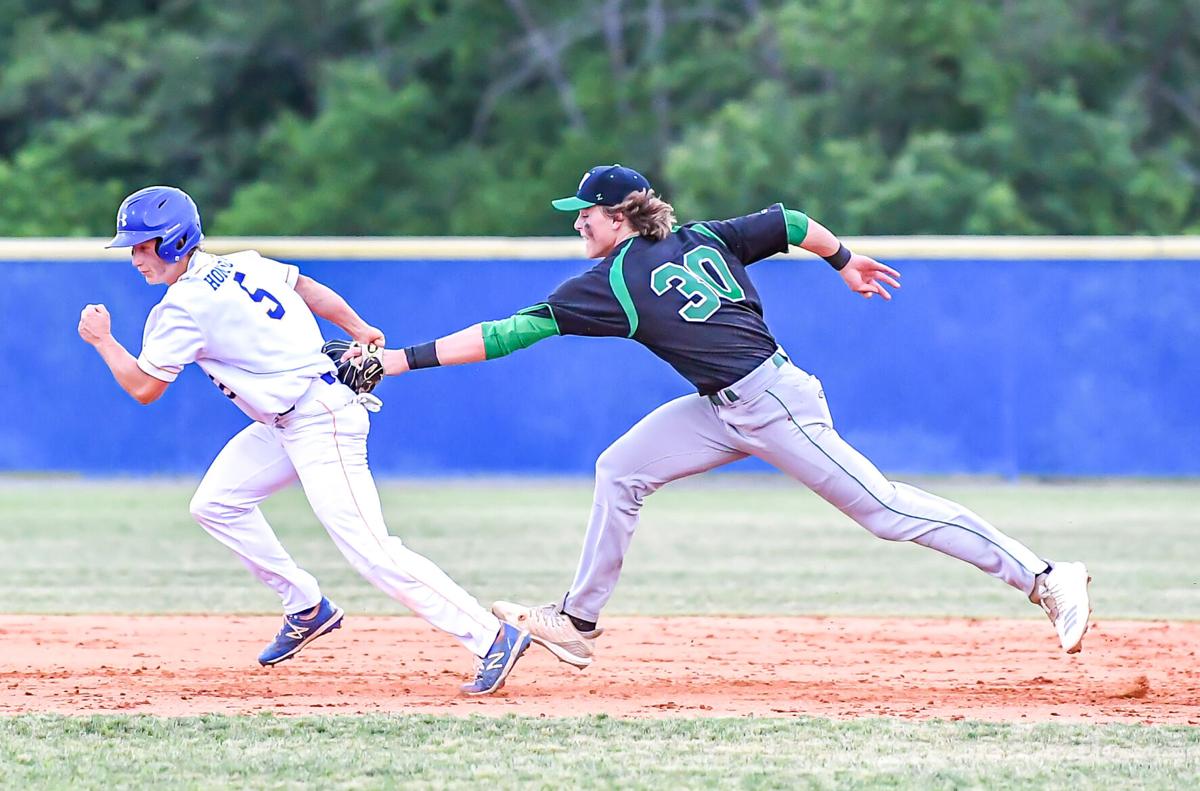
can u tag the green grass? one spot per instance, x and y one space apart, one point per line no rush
720 544
599 752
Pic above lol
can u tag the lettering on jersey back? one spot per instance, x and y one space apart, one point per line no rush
218 274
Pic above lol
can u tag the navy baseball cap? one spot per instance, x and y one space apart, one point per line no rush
603 185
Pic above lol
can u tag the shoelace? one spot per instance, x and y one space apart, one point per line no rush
1049 602
549 617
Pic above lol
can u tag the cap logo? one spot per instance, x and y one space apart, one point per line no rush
599 196
123 219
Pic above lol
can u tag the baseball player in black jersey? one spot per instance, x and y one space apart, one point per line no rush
684 293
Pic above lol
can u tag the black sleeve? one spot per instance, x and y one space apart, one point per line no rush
586 305
755 236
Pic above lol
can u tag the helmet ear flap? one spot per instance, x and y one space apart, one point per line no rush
162 253
174 251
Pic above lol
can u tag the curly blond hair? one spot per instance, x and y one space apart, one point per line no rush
650 215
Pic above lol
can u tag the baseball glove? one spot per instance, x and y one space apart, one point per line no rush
361 373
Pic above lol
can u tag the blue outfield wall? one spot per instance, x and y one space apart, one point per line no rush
1043 367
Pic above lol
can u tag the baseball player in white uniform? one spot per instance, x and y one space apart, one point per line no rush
247 321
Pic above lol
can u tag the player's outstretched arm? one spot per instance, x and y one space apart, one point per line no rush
863 274
95 327
479 342
329 305
464 346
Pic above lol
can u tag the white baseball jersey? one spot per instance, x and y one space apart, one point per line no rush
239 318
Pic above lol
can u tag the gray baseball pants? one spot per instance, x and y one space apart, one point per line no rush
778 413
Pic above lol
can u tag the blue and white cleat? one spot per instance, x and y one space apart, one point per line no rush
298 632
491 670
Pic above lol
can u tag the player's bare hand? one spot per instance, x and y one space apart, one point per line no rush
369 334
395 361
95 324
864 275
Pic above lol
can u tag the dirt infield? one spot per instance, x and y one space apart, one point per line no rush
647 667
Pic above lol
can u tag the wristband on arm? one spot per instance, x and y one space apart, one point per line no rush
839 259
422 356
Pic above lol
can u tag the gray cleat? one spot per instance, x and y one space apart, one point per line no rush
552 629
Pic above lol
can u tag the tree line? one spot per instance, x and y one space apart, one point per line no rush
465 117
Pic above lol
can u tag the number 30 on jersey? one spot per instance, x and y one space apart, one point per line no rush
703 279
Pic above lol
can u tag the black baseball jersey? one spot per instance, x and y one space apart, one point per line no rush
687 298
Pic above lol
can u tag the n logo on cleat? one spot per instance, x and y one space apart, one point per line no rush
494 661
297 632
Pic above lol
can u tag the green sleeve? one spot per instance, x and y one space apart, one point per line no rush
797 225
519 331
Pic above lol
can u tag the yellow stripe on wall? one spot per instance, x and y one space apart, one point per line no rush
547 248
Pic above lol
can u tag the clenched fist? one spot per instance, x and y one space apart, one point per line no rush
369 334
94 324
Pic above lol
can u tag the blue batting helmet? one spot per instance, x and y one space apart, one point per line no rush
163 213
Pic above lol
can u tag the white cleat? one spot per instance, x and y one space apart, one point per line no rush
1063 594
552 630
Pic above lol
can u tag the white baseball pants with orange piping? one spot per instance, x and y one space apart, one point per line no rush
778 413
323 444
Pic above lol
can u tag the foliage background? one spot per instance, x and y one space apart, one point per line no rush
382 117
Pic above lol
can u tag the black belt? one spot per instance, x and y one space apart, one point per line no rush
326 377
778 358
